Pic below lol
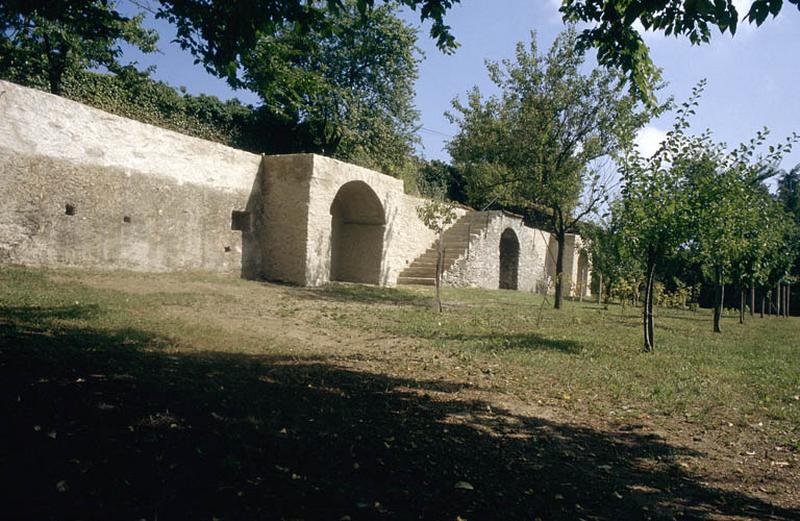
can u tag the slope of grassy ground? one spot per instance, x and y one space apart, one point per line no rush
190 396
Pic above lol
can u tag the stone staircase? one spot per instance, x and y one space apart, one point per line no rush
456 242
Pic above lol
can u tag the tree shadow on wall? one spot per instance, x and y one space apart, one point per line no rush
96 425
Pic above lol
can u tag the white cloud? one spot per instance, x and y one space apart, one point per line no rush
649 139
742 7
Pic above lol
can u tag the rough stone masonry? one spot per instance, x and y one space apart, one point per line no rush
84 188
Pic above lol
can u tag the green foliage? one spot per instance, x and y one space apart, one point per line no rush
437 214
611 257
677 298
220 33
533 144
448 178
620 45
738 230
693 200
347 93
133 95
789 198
41 42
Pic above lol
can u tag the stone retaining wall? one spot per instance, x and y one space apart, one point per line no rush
82 187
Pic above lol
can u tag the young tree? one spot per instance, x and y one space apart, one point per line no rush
41 42
654 208
611 259
437 214
534 145
728 205
789 197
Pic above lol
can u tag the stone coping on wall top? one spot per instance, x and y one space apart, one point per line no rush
15 88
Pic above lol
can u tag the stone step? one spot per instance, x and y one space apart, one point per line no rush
449 245
419 281
419 271
456 240
431 259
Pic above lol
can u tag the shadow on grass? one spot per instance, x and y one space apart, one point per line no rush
523 341
365 294
38 314
96 427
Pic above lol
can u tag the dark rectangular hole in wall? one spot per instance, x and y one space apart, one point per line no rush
227 249
69 209
240 221
126 219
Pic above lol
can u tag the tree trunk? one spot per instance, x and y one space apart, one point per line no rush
783 301
763 299
437 300
651 322
741 304
719 294
600 289
777 298
562 239
788 300
56 64
647 313
769 302
752 299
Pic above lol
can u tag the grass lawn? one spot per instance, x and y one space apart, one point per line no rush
197 396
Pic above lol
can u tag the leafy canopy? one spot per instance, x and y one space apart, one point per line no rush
41 41
620 45
348 92
533 145
220 33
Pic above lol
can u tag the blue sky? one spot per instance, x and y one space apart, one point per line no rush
753 78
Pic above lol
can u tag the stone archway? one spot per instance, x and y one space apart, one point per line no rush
509 259
357 228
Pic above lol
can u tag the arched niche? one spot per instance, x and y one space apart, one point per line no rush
509 259
357 228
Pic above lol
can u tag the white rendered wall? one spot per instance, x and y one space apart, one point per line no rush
405 236
144 198
479 267
42 124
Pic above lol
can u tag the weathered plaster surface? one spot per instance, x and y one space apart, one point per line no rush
178 192
479 266
171 226
405 236
41 124
149 199
285 189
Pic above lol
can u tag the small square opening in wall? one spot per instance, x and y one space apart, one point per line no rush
126 219
227 249
69 209
240 221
